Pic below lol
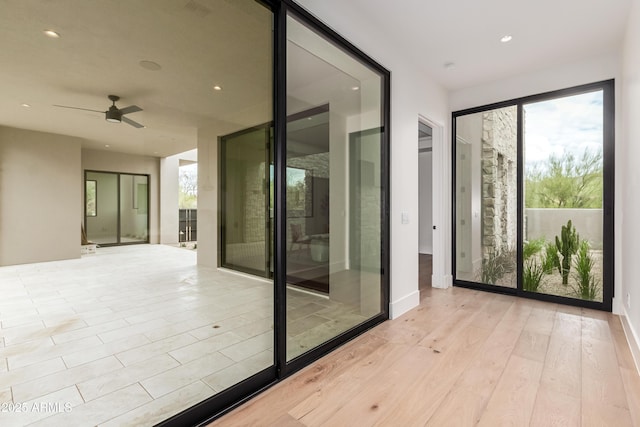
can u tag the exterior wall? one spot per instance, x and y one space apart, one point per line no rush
108 161
499 195
39 193
547 223
169 189
629 184
208 197
413 95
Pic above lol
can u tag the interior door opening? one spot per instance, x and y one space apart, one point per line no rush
425 209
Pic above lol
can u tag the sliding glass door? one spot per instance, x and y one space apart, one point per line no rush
336 182
116 208
533 196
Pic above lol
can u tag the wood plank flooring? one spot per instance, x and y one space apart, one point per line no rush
465 358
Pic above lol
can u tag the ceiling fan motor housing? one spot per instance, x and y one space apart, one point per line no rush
113 115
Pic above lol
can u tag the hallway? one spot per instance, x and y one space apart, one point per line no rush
463 358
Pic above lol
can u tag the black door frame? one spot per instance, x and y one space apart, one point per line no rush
608 93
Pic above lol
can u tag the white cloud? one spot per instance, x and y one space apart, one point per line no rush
569 124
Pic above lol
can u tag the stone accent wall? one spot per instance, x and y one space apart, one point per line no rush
499 184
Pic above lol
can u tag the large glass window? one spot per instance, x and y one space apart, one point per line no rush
335 177
563 196
534 196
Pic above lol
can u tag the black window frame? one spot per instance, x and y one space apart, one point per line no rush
608 203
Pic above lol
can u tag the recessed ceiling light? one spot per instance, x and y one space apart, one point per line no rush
506 39
26 105
150 65
354 88
52 34
449 65
216 87
107 146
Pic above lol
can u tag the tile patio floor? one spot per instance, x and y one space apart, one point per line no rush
134 334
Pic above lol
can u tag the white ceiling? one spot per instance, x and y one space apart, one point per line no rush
200 43
468 32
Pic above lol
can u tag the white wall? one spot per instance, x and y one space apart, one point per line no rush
538 81
39 195
413 94
107 161
630 183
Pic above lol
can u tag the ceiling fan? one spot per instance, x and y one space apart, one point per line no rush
114 114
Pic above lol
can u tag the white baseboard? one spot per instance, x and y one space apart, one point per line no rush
442 282
404 304
632 339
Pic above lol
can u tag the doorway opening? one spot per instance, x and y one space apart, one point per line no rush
425 205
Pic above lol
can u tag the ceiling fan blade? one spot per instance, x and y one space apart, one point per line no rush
131 122
77 108
130 109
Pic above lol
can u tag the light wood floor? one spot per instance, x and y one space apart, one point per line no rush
465 358
425 269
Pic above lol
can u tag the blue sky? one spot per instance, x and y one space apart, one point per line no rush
572 123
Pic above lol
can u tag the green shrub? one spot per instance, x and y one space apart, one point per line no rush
532 247
492 268
551 259
532 276
587 285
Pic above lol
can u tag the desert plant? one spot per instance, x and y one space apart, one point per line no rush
507 260
492 268
567 245
550 259
532 276
587 284
532 247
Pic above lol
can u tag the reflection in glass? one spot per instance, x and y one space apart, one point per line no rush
91 207
245 236
103 228
563 194
334 190
134 208
486 197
